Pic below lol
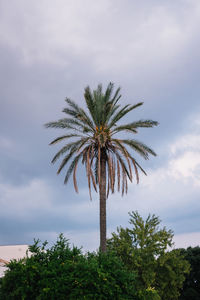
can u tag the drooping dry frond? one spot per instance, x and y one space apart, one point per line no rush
74 177
118 175
88 171
99 163
113 172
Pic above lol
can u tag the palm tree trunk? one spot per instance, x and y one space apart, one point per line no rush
102 201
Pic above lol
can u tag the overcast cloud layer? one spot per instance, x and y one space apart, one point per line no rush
50 50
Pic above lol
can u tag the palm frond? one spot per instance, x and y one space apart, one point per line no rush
88 170
137 164
109 161
122 112
109 91
139 147
144 123
60 124
74 177
73 145
63 137
136 170
90 103
82 115
123 128
118 175
122 163
113 171
71 167
125 154
66 159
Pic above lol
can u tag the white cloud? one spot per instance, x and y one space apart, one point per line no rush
186 167
186 142
185 157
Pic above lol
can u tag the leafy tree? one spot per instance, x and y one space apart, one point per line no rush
143 248
62 273
191 286
105 156
172 269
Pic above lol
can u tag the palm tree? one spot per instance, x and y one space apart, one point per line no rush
90 138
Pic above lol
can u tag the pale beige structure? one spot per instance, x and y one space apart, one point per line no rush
8 253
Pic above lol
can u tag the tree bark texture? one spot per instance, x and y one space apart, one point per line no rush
102 201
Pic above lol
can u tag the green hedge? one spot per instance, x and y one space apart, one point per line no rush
62 272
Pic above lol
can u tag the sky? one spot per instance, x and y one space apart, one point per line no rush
52 50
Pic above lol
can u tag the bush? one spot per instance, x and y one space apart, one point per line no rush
143 248
61 272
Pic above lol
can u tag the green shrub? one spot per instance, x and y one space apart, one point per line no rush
144 249
62 272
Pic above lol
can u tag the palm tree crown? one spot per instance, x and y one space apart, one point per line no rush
95 136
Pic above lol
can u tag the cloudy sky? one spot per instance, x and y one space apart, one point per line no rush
50 50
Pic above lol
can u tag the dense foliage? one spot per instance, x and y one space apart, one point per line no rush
143 248
138 265
191 287
62 272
